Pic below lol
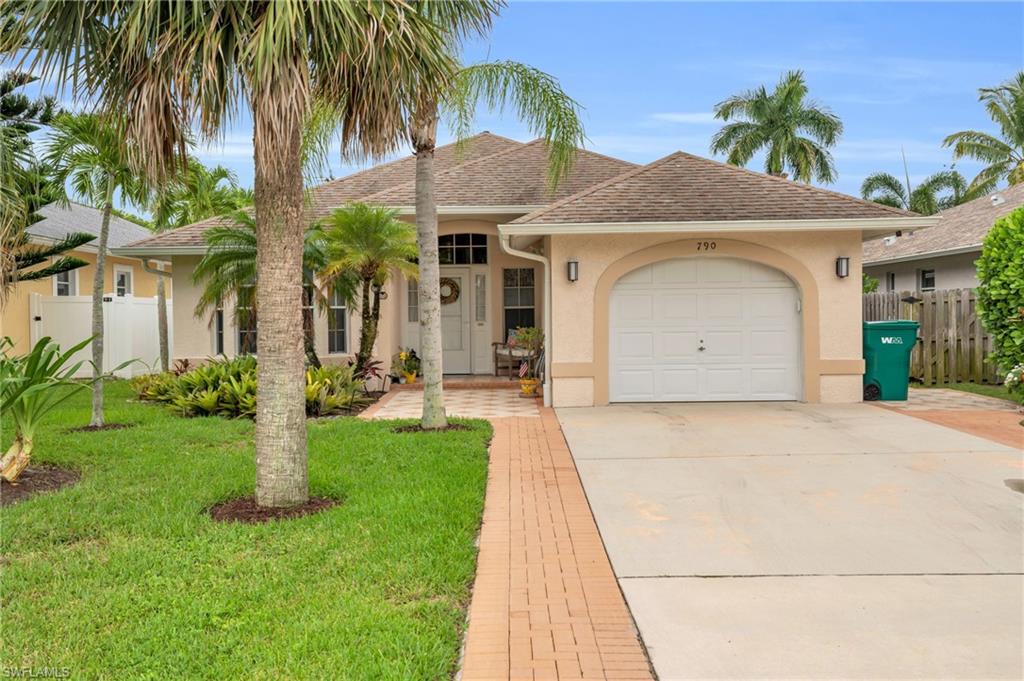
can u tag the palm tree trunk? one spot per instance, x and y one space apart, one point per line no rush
97 309
367 327
281 466
161 322
424 138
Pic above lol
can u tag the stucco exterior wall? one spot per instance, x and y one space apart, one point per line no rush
951 271
831 306
14 318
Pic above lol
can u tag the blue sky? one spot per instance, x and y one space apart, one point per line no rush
648 74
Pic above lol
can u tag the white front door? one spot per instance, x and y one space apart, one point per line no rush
456 323
704 329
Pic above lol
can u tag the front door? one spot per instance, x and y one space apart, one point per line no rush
456 326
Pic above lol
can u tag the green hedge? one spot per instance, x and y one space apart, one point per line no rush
1001 289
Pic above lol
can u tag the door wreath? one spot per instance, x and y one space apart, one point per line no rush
449 290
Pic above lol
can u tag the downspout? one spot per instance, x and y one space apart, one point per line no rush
506 245
152 270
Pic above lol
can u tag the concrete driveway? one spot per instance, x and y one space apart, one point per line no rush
787 540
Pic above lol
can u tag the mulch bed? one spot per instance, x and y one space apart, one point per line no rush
245 510
105 426
36 480
417 428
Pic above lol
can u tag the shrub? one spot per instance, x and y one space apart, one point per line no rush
227 387
1001 292
1014 382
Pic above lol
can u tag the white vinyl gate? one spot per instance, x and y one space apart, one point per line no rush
130 329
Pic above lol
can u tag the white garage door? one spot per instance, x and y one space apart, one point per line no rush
704 329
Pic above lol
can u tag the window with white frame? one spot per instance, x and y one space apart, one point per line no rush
462 249
122 281
518 297
66 283
890 281
926 280
414 301
218 329
337 323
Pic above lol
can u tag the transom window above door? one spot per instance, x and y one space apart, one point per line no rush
462 249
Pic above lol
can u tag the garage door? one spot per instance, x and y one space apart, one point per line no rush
704 329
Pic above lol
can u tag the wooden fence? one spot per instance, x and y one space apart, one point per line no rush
954 345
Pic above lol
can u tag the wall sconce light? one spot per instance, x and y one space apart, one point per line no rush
574 270
842 267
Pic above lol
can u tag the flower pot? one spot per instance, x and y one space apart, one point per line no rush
409 377
528 386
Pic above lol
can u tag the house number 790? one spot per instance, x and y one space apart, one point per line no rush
706 245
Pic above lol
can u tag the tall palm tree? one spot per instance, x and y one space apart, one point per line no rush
88 153
539 101
371 243
193 194
1003 154
230 267
944 189
796 133
171 66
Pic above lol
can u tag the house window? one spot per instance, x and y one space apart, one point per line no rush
337 323
481 297
890 281
926 280
65 284
218 330
518 296
414 301
246 319
122 281
462 249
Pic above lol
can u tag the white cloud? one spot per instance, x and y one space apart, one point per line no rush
696 117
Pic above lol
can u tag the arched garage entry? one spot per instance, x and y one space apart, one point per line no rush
704 329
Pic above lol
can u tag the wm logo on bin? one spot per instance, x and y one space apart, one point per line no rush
892 340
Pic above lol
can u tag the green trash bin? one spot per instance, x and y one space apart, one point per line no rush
887 347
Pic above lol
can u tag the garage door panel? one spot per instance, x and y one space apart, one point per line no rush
635 385
676 306
744 314
679 384
678 345
634 307
636 345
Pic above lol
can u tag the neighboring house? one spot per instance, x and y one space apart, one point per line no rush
60 306
942 257
684 279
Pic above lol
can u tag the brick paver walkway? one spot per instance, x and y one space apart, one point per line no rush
987 417
475 403
546 604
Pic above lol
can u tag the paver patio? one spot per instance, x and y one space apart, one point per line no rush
477 404
988 417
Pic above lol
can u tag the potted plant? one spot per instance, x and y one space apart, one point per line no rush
406 365
529 340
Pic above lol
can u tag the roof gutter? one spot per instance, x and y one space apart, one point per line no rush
894 224
506 245
919 256
154 251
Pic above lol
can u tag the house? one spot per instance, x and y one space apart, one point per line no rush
941 257
684 279
60 306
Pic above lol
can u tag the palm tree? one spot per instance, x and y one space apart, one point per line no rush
370 243
229 269
171 66
1003 154
927 198
189 196
796 133
540 102
89 153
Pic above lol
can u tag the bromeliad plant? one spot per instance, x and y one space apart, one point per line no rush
31 386
227 387
405 364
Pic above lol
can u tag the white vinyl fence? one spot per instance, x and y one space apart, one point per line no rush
130 329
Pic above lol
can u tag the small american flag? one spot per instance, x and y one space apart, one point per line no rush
524 367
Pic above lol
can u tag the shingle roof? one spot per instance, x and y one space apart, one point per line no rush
335 193
60 221
962 227
685 188
516 177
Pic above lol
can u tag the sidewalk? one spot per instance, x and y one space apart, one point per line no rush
546 604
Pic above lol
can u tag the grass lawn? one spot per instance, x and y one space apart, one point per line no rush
125 575
979 389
